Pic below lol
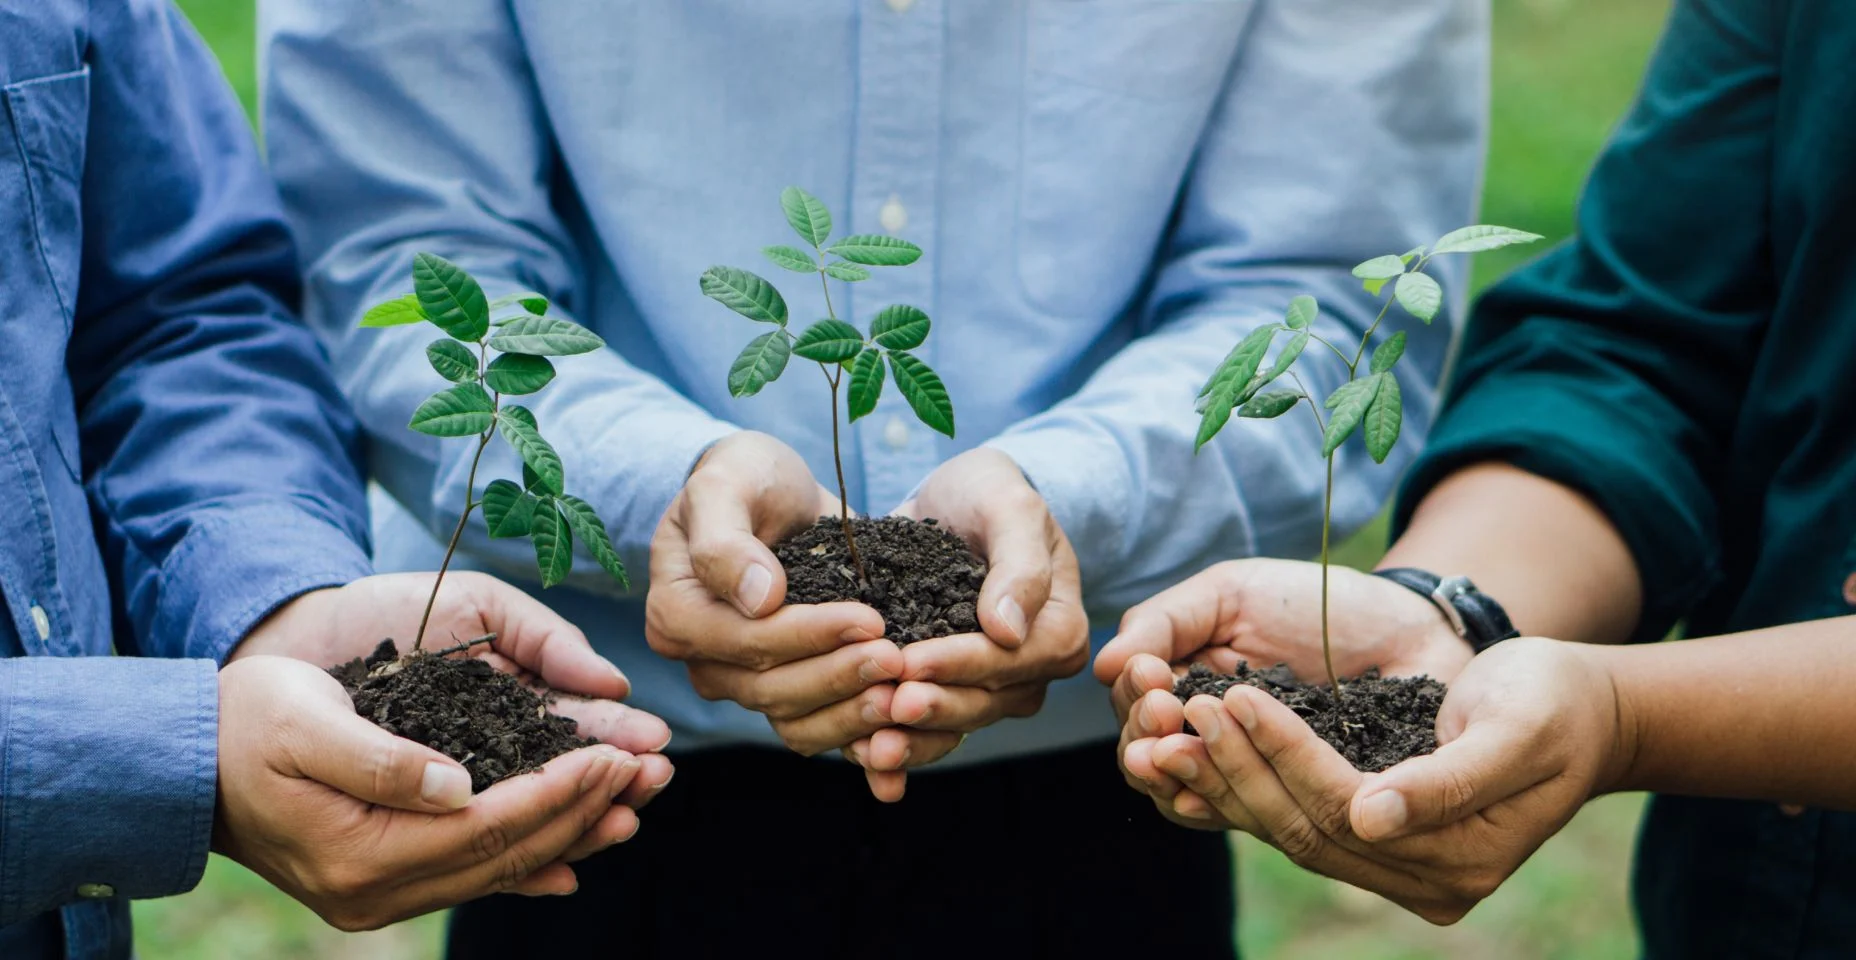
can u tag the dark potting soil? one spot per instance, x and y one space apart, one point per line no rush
923 579
1376 723
462 707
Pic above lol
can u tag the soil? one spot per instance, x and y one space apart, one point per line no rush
923 579
1377 722
462 707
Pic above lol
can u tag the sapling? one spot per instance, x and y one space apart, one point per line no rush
494 349
1369 404
837 346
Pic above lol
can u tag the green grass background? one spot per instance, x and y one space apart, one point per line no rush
1564 72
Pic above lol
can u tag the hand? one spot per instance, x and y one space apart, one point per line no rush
368 829
1266 612
1030 609
1529 732
327 627
821 673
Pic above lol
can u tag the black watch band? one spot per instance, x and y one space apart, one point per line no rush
1474 615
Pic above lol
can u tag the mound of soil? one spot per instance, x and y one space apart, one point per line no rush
463 708
1376 722
923 579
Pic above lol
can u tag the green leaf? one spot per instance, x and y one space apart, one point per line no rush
586 525
554 543
1481 237
1412 254
1387 353
1349 405
508 510
876 250
923 389
866 383
1287 357
531 301
1383 417
1273 403
1380 268
1240 365
394 313
461 411
745 294
792 258
1302 311
900 327
1214 413
529 479
518 373
807 215
519 428
1419 295
829 341
545 337
848 272
759 364
452 360
450 297
1373 286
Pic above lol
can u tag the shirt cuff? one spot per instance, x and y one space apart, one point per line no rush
239 563
108 772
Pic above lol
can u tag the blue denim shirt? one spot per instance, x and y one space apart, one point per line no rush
174 457
1110 195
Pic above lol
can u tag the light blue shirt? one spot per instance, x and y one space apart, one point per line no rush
1110 195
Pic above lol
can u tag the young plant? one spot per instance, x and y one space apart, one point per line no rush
517 330
835 345
1370 404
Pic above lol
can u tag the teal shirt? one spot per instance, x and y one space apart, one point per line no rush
1688 361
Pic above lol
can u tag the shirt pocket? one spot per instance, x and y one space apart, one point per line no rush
1116 97
49 120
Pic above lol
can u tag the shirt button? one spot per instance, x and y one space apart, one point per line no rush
894 216
41 622
900 6
896 433
1849 590
95 891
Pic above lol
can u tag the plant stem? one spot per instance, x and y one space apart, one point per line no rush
469 504
466 645
837 458
1327 512
1366 338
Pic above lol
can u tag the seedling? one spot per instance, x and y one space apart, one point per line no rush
835 345
517 330
1371 404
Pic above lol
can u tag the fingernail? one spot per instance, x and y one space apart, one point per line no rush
627 771
1143 722
1383 813
1185 767
751 592
1013 615
1241 709
660 747
874 672
1208 725
1193 813
444 785
874 715
597 770
616 671
570 892
660 787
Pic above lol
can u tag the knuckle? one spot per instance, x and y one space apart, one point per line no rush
515 868
1440 913
1027 703
1476 886
1300 840
489 841
353 920
797 742
1456 792
381 764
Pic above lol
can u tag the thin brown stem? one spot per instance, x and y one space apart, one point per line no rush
466 645
1327 649
844 509
470 504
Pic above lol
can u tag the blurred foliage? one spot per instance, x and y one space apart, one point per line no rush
1564 72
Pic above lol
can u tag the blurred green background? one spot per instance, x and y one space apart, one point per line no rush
1565 70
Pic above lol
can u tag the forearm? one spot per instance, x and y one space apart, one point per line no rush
1543 551
1762 715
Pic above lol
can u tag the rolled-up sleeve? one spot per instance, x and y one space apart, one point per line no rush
107 779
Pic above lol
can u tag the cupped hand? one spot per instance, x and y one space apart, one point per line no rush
1030 611
368 829
1529 731
821 673
533 642
1265 612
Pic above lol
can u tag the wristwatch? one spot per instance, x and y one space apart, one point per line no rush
1474 615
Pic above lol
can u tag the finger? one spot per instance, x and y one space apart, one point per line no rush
540 641
352 755
1189 760
548 841
553 880
1171 625
887 786
795 689
721 508
973 660
689 624
1017 539
1138 761
653 777
1143 674
893 748
628 728
1490 762
837 725
615 826
1319 780
933 706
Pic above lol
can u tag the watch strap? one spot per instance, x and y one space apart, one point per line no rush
1474 615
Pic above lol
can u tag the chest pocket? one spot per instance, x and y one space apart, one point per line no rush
1117 94
48 119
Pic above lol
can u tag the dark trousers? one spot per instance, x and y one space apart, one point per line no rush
754 852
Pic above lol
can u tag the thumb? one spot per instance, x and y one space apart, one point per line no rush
728 558
1172 625
1489 763
363 761
1019 562
541 641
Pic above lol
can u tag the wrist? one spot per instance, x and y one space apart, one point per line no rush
1618 713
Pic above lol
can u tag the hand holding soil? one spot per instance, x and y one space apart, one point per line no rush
367 828
1529 732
